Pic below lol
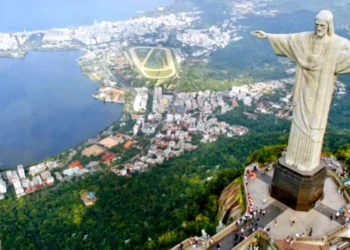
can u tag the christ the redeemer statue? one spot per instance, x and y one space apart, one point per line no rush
319 57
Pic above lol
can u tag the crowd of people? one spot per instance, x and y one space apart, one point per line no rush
251 220
341 214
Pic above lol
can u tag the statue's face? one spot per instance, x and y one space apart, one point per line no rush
321 27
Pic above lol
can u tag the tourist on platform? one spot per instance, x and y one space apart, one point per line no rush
218 246
276 224
195 241
181 247
310 232
291 242
264 201
292 221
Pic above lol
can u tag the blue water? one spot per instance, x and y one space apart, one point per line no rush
45 101
47 107
40 14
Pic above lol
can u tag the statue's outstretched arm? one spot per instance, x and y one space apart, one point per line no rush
279 42
260 34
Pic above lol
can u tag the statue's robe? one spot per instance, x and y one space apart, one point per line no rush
312 93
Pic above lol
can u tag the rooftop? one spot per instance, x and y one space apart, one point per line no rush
76 164
89 198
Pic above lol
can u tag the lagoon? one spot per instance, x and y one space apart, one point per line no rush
46 107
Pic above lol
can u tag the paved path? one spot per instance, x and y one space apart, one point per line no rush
264 177
317 218
327 211
321 208
272 212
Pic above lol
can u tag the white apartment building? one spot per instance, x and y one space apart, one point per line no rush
20 171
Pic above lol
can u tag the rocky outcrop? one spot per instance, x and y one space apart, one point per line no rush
230 202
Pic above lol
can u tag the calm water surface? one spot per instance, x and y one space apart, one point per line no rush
46 107
40 14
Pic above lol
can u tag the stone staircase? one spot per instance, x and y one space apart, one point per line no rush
339 243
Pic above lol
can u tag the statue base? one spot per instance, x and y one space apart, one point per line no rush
300 190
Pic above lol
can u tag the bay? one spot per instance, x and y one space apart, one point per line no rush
39 14
46 107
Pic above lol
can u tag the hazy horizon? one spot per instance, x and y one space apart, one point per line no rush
37 15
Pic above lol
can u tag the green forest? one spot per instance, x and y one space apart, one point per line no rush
152 210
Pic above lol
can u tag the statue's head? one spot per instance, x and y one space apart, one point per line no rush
324 23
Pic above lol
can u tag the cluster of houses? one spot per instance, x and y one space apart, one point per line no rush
174 120
252 93
132 30
39 177
210 39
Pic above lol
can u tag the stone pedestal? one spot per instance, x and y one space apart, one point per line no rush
300 190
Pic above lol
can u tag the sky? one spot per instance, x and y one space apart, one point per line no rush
18 15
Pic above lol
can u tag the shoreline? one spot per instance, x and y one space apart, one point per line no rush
99 85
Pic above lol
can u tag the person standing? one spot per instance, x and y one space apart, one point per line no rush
287 240
218 246
310 232
292 221
291 242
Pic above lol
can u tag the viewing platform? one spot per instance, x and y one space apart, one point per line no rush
278 219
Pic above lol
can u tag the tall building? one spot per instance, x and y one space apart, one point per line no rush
20 171
3 188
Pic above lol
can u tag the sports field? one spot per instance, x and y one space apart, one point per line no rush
154 62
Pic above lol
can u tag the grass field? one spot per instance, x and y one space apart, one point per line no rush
142 53
157 60
153 62
160 73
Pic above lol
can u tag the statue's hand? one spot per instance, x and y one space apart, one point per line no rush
259 34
